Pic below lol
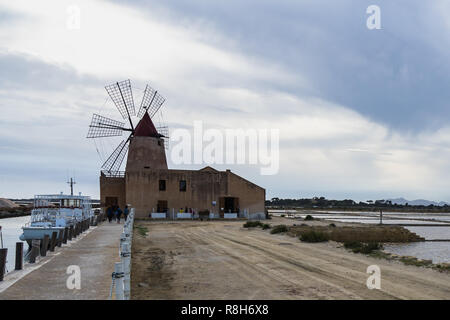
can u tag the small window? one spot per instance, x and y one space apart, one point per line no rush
162 185
182 185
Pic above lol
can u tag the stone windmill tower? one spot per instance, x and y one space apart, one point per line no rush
145 144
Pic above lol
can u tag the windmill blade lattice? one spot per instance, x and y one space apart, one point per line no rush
164 132
104 127
115 160
122 96
151 102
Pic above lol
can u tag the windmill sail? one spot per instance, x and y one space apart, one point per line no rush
151 102
115 160
164 132
104 127
122 96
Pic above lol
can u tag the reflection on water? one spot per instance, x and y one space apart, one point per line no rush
11 230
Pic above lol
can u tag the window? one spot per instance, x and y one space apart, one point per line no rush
182 185
162 185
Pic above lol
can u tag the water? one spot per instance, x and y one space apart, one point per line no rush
435 251
11 230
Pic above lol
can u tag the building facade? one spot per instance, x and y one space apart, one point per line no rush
149 186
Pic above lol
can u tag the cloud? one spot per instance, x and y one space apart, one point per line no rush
361 115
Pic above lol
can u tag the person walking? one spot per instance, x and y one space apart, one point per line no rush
109 213
118 214
126 211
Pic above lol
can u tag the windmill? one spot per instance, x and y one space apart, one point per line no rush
122 96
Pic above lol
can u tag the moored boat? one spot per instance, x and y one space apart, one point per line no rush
53 213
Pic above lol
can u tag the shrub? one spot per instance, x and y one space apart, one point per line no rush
279 229
282 215
265 226
359 247
314 236
142 230
352 244
309 218
252 224
332 225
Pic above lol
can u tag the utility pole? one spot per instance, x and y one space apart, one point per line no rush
71 183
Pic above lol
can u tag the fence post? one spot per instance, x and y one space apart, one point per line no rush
53 241
65 235
70 236
118 278
3 253
19 256
60 238
35 244
44 246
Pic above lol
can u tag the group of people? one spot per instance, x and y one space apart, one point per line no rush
114 212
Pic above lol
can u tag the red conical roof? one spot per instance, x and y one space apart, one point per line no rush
146 128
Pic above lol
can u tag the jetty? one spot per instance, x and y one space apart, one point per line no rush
94 252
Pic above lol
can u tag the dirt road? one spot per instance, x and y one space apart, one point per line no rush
222 260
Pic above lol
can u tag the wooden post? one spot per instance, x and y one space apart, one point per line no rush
35 244
44 245
19 256
66 235
3 253
53 241
70 233
60 238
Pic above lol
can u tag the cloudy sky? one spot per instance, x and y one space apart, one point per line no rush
362 113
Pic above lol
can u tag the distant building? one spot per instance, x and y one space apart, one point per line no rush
149 186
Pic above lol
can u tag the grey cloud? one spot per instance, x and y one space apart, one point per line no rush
393 76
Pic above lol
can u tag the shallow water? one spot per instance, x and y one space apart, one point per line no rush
436 251
11 230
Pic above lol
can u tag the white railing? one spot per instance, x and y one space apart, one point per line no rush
122 270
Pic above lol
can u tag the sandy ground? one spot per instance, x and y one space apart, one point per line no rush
94 252
223 260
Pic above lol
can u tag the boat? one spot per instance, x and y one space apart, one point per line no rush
53 213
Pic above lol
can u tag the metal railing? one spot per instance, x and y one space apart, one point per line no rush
121 280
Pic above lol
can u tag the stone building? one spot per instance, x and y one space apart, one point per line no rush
149 186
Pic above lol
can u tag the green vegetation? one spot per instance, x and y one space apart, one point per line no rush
360 247
279 229
332 225
142 231
314 236
309 218
265 226
253 224
413 261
